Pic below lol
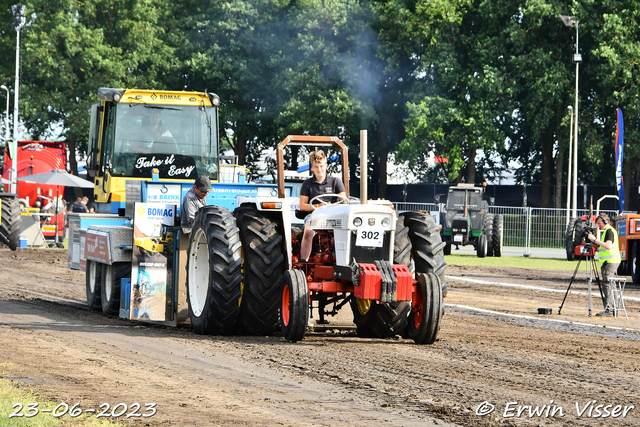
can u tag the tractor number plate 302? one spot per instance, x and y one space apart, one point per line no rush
370 237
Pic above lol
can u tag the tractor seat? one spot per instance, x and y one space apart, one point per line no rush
301 214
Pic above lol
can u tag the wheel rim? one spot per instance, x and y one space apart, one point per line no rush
108 282
364 305
92 277
418 308
198 272
286 305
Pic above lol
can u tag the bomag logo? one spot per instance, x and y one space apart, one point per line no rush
170 97
165 97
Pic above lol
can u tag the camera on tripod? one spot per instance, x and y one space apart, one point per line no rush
588 228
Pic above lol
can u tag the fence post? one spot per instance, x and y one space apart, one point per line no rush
527 248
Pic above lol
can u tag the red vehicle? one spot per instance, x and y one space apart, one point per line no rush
34 157
628 226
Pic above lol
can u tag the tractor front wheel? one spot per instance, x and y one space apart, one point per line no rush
481 248
498 235
94 285
213 272
426 309
294 309
447 248
110 286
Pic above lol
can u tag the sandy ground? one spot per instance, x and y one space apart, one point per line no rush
493 351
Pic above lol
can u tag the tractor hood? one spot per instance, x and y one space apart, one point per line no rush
354 217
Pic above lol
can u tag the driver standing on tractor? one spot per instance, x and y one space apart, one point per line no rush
609 256
317 185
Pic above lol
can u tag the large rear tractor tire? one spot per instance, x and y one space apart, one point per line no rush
383 320
379 319
294 311
571 250
263 251
578 225
498 235
9 221
427 245
426 310
94 285
487 229
569 241
214 274
110 286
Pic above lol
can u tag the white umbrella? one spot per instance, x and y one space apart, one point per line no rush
57 177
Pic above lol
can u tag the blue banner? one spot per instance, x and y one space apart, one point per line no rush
619 150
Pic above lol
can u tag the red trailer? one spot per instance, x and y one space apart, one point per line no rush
35 157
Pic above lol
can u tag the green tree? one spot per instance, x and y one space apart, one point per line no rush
612 71
457 106
280 68
71 48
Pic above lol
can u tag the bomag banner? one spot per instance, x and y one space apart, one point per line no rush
151 274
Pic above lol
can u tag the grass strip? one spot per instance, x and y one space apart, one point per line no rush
13 395
515 261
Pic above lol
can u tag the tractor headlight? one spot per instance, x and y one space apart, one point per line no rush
385 222
357 221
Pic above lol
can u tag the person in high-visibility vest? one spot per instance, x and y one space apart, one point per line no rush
609 257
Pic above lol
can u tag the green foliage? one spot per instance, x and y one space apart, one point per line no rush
482 83
70 48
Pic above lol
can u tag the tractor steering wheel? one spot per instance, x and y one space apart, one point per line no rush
320 197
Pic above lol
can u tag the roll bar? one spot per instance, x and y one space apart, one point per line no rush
312 140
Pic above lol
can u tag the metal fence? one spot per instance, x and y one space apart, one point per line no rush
525 230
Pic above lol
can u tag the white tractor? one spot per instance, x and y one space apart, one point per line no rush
244 274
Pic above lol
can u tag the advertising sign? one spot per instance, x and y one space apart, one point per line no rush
151 271
619 154
162 193
169 166
96 247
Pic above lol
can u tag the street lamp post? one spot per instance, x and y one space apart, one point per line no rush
577 59
18 11
6 123
569 172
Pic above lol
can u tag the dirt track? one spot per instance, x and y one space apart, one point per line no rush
49 341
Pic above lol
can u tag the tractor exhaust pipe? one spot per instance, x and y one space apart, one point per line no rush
363 166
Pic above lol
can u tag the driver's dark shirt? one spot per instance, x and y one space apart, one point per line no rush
313 188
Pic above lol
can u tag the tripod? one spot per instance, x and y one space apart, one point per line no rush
592 270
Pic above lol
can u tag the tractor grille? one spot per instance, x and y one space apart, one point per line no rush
368 255
459 225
